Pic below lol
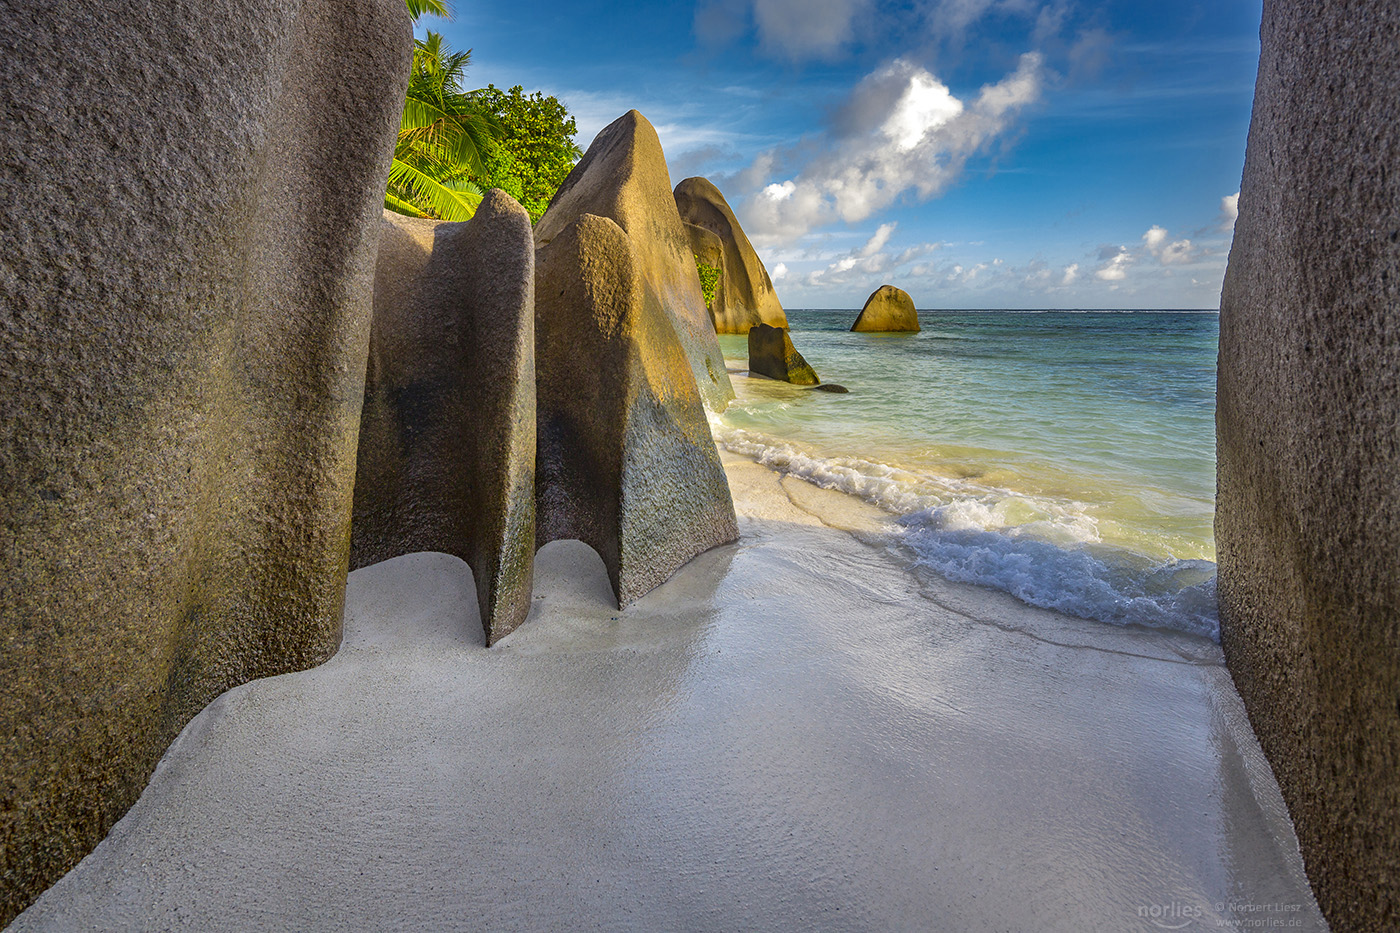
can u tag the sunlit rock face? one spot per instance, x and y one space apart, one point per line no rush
887 310
187 250
1308 423
744 295
626 462
447 437
623 177
772 354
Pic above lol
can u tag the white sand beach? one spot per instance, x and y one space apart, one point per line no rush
794 733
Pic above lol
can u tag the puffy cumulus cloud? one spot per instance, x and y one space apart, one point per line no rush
1070 274
1229 211
794 29
1175 253
1116 260
901 131
780 272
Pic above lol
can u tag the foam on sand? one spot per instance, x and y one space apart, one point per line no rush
1048 552
793 733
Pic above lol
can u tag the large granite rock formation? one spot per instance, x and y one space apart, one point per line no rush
772 354
888 310
447 437
744 296
626 462
1308 508
187 240
623 177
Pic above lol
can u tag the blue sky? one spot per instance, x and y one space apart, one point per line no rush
976 153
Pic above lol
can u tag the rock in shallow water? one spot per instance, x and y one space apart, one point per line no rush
744 295
888 310
772 354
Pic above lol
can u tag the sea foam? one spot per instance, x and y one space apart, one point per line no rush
1045 551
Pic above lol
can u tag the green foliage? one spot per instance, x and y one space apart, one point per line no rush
444 138
535 149
417 8
709 280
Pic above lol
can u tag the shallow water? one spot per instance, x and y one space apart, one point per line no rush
1065 457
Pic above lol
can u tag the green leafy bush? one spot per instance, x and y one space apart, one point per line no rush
535 150
709 280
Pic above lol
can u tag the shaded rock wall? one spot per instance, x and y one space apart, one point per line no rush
887 310
626 461
623 177
744 296
190 210
447 437
1308 508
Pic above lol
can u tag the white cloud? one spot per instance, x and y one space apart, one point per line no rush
1229 211
865 263
779 192
915 252
780 272
925 105
1177 253
903 131
1115 269
1071 273
878 241
1169 254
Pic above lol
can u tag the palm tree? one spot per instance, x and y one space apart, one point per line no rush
417 8
442 137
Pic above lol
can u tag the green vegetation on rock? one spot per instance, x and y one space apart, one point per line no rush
709 280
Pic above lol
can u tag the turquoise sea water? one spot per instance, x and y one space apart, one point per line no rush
1065 457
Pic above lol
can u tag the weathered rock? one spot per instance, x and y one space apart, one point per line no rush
772 354
626 462
888 310
447 437
187 242
744 296
833 388
708 250
1308 508
623 177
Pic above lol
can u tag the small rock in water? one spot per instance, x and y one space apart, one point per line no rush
772 354
832 387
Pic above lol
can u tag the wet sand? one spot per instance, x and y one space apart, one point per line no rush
794 733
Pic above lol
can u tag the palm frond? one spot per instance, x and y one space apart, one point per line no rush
447 200
400 206
417 8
